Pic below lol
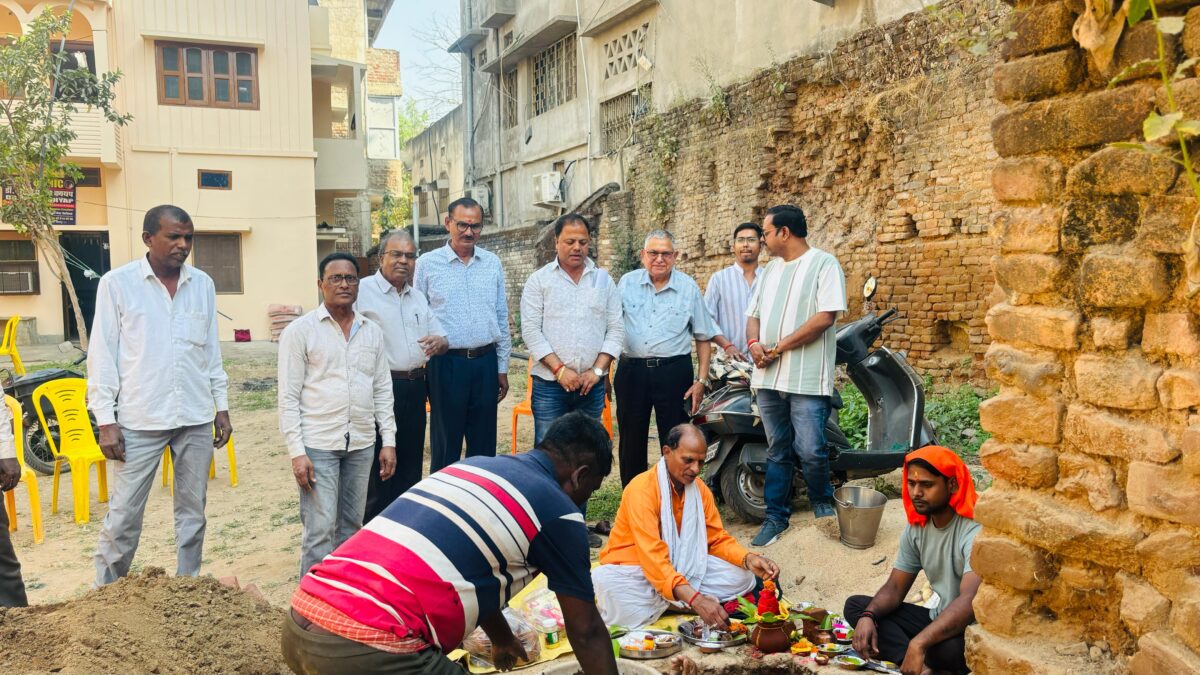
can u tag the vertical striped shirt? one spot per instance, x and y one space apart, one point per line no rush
456 547
788 295
727 296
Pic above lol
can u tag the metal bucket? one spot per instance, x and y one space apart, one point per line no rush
859 510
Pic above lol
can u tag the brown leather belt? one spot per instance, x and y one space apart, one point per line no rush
474 352
414 374
308 626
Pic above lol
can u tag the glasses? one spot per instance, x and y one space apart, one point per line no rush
463 227
665 255
396 255
746 240
339 279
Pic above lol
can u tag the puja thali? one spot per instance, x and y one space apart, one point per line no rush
710 639
648 644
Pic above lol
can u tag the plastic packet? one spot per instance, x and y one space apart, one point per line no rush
541 605
479 645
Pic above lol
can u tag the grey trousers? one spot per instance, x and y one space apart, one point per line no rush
333 509
191 454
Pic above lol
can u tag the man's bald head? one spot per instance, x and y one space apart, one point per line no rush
685 450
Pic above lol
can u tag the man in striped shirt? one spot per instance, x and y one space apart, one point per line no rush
728 291
449 554
792 341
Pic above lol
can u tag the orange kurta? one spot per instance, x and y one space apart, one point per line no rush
636 535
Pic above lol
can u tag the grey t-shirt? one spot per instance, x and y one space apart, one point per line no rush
944 553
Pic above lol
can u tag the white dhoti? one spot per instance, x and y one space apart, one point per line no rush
626 599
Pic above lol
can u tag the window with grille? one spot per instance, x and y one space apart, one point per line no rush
618 115
554 75
220 256
510 99
621 54
18 267
481 58
207 76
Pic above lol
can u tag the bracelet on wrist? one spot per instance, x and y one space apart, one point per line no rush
689 602
751 343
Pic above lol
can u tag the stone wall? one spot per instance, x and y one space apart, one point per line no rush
884 142
1090 555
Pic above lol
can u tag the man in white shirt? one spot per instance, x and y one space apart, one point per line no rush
728 291
334 391
155 378
411 334
12 588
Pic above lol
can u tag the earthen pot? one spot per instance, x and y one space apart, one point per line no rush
772 637
809 628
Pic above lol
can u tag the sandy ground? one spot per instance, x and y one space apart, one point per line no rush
254 530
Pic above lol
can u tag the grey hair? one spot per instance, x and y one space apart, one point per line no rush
402 235
658 234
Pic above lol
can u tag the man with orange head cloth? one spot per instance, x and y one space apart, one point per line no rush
939 500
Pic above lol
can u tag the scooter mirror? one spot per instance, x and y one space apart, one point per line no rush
869 288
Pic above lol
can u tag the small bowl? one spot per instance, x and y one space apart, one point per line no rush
848 662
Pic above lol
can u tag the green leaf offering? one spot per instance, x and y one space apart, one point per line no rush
1137 9
827 622
1158 126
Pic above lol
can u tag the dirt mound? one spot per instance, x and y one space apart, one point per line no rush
149 623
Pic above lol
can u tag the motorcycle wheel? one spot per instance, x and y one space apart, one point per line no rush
743 492
38 455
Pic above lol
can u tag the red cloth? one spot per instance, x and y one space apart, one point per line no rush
951 466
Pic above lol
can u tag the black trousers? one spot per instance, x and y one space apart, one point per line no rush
639 390
12 588
897 629
462 406
409 407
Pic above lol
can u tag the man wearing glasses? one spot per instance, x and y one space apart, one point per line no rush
411 334
728 292
465 287
334 392
664 313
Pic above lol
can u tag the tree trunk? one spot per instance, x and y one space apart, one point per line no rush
49 245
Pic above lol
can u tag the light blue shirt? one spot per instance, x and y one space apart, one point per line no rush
662 323
468 299
727 296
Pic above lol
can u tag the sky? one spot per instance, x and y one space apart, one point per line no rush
424 67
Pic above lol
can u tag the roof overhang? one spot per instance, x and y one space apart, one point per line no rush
533 42
330 69
615 16
377 11
467 42
499 13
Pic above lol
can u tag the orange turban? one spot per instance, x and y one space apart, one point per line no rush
951 466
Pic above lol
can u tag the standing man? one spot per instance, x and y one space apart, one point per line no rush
664 313
792 342
411 335
465 287
12 588
334 392
155 379
728 292
571 321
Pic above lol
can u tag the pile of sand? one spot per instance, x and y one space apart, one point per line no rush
149 623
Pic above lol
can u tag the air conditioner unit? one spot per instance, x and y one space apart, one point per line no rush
547 189
483 195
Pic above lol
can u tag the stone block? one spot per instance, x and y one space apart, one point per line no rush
1027 179
1050 327
1109 333
999 610
1139 44
1163 491
1187 97
1116 280
1191 32
1029 230
1088 221
1034 371
1099 433
1165 224
991 654
1161 653
1034 466
1037 77
1016 417
1001 560
1089 478
1125 381
1119 171
1189 447
1028 273
1173 334
1061 123
1040 28
1143 609
1185 613
1167 556
1038 518
1179 388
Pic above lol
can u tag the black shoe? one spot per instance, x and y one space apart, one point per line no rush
595 540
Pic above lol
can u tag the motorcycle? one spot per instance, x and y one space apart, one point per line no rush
736 462
38 455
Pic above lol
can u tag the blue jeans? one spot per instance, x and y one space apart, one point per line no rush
795 426
333 509
550 402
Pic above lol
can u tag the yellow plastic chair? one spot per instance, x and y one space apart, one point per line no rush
28 477
525 407
168 474
8 346
76 443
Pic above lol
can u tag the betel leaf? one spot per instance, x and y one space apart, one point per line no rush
827 622
1170 25
1137 9
1157 126
1133 70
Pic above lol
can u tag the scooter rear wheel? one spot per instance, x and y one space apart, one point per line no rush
743 491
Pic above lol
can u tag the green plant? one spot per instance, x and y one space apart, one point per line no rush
852 418
955 418
605 501
716 103
966 31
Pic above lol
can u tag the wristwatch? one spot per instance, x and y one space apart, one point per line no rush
598 372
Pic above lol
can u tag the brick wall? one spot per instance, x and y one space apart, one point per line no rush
1090 555
383 72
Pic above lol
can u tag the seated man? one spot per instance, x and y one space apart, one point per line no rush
449 554
938 488
673 552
